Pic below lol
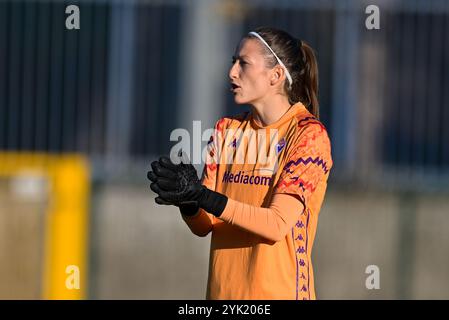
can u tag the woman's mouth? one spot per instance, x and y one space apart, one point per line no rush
234 87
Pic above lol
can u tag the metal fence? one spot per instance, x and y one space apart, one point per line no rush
117 87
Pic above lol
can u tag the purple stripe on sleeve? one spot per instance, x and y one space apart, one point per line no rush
307 240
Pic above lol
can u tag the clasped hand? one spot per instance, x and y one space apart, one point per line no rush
175 184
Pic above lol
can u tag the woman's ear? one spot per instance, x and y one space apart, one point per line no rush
276 75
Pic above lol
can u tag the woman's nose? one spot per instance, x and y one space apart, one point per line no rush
233 71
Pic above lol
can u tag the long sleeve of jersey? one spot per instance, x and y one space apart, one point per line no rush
271 223
201 223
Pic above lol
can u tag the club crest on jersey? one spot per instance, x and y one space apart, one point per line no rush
280 146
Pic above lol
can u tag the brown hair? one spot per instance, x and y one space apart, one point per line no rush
300 61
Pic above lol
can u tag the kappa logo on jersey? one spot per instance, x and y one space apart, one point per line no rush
211 139
233 143
280 146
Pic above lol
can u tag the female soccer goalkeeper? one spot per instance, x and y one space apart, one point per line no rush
262 213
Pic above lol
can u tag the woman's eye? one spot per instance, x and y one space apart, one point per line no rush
241 62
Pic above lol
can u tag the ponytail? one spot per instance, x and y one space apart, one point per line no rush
309 94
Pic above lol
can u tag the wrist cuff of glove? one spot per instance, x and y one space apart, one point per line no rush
189 209
213 202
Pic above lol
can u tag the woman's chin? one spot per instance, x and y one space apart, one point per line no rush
239 100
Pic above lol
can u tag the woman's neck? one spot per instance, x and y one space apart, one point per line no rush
271 110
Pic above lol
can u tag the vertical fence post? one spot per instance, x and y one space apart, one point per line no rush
119 90
344 95
406 245
205 57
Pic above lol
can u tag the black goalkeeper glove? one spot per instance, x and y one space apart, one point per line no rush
188 209
179 185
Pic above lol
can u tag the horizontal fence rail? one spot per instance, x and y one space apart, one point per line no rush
113 89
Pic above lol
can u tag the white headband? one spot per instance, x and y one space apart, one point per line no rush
287 74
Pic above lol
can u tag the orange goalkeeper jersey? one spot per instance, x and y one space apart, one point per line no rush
250 164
